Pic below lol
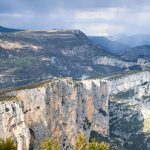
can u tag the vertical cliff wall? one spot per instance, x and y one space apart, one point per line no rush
121 83
129 106
59 108
12 124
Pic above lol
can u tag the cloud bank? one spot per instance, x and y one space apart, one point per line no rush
94 17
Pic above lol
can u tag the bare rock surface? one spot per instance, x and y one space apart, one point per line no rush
60 108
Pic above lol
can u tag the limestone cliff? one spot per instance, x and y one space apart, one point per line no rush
12 123
124 82
129 108
59 108
64 107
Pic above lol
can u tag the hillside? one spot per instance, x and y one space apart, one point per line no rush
28 56
113 47
132 40
115 109
134 53
4 29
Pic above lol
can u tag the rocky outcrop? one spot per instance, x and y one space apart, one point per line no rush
62 108
124 82
59 108
13 124
144 63
104 60
129 108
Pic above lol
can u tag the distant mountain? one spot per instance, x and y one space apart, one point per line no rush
134 53
133 40
36 55
4 29
111 46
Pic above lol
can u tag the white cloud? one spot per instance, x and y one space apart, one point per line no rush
106 14
102 21
100 29
113 21
15 15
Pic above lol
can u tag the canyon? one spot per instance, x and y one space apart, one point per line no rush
60 108
60 83
64 107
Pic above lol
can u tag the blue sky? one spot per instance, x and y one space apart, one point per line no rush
94 17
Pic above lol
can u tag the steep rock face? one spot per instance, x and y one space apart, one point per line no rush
129 108
122 83
12 124
62 109
104 60
144 63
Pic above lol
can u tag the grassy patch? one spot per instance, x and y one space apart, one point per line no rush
7 144
7 98
18 62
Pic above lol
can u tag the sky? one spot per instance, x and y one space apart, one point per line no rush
94 17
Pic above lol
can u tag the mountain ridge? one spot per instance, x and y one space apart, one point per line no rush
113 47
65 53
5 29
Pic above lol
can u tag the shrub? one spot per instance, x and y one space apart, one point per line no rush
7 144
98 146
82 144
49 144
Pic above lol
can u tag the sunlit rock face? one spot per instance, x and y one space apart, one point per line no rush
104 60
12 124
62 109
129 108
122 83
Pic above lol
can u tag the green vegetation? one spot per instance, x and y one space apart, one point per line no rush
132 107
81 144
4 96
7 144
145 83
7 98
123 95
146 97
125 74
22 61
49 144
6 109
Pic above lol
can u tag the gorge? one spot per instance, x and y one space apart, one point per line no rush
59 83
64 107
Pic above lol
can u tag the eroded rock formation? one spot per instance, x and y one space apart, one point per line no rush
129 106
59 108
64 107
